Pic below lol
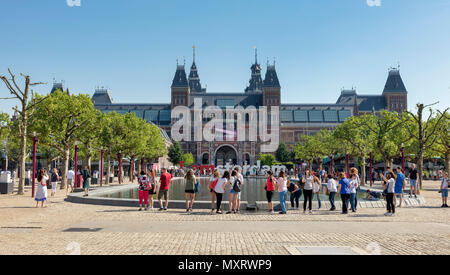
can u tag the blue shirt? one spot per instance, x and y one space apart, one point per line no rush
345 186
399 183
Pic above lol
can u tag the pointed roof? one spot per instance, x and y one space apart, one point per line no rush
256 82
271 79
180 79
394 83
102 96
194 78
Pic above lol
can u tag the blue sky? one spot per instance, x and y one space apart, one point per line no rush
320 46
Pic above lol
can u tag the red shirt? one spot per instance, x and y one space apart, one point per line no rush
270 185
165 180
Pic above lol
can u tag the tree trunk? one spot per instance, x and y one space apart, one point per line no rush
420 168
447 162
108 170
23 154
65 160
363 171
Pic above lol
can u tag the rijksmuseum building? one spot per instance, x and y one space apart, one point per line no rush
296 119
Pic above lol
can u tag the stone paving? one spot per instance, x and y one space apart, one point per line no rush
62 227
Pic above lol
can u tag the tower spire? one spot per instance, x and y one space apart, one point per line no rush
193 53
256 55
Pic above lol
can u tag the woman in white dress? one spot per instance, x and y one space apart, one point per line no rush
41 194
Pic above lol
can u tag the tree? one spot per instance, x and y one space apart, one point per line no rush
59 122
267 159
283 154
426 132
355 132
28 104
442 144
188 159
5 130
175 153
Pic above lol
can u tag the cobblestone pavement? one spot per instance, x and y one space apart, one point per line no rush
62 227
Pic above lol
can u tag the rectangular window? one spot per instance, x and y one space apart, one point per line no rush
138 113
151 116
344 114
286 116
330 116
164 115
223 103
315 116
300 116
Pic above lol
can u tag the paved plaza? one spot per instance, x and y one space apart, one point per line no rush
63 227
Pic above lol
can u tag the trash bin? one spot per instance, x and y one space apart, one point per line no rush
6 184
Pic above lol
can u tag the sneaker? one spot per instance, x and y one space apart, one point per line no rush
191 210
228 212
310 212
187 210
292 208
165 209
161 209
146 209
392 215
218 212
271 211
140 209
446 205
387 213
443 206
282 213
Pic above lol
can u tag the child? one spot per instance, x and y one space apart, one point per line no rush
144 188
444 190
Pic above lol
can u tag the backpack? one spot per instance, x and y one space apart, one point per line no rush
291 187
213 184
237 186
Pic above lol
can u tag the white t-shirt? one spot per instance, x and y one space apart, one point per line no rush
70 174
309 183
282 185
220 185
331 185
391 186
445 183
241 178
316 187
353 186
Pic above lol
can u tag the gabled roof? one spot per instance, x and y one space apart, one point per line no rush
394 83
271 79
369 103
180 79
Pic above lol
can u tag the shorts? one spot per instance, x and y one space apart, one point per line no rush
412 183
444 193
163 193
189 191
69 183
236 193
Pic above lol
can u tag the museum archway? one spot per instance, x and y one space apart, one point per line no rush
225 154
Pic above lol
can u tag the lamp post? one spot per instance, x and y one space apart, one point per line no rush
132 169
102 152
332 165
33 176
371 168
403 158
120 167
76 164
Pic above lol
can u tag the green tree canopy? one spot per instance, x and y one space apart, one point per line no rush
175 153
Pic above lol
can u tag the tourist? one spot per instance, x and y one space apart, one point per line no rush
282 190
164 180
86 180
235 192
344 191
316 189
54 181
353 191
354 171
322 175
331 190
388 170
241 180
144 188
41 193
413 181
444 189
270 188
189 189
308 191
151 175
389 187
70 176
220 190
296 193
399 186
212 185
372 195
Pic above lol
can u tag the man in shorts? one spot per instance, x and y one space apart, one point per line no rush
165 180
413 181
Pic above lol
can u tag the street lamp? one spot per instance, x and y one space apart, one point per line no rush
76 164
120 167
403 157
33 176
371 169
101 166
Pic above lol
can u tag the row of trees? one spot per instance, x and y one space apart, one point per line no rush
383 135
61 121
